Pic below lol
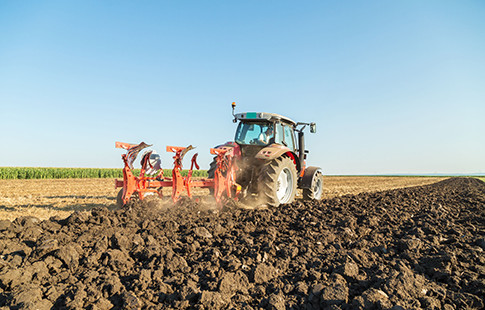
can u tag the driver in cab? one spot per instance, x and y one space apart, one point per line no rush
265 136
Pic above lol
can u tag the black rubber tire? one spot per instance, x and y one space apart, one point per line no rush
119 199
279 172
211 174
212 168
315 192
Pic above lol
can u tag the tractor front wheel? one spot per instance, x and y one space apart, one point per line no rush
119 199
212 168
277 182
211 173
316 188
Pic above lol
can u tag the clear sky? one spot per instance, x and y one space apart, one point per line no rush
394 86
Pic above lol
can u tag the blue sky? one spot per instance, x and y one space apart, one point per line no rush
394 86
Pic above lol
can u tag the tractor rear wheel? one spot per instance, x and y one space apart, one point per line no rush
316 188
277 182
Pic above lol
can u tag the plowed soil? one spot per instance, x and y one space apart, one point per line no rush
46 198
412 248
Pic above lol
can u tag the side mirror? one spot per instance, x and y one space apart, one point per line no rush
313 127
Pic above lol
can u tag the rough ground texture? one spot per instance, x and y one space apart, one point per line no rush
413 248
44 198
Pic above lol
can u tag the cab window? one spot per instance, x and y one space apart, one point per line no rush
289 137
279 138
254 133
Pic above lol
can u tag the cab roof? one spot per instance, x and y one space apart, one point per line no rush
256 116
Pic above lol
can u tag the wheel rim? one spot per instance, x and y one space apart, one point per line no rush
318 188
284 186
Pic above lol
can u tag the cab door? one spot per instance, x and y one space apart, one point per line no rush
289 137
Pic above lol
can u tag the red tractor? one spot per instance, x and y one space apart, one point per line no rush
269 153
264 165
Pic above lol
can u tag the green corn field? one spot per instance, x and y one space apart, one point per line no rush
25 173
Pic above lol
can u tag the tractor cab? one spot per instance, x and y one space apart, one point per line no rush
258 130
265 129
270 156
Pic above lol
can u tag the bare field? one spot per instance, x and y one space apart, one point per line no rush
46 198
419 247
342 185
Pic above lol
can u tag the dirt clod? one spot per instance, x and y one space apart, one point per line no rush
413 248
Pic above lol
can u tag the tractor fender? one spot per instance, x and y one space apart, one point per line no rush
276 150
306 180
230 145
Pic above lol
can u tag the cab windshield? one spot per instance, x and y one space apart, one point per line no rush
255 133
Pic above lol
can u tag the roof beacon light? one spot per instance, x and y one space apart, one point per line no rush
233 107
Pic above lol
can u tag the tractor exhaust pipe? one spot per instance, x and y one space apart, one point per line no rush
301 145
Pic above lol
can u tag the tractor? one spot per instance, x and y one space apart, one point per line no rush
264 165
269 153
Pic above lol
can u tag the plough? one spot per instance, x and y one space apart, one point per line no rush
223 184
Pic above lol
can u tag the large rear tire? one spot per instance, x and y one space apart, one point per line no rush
315 192
277 182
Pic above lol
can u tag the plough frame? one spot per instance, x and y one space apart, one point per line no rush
223 185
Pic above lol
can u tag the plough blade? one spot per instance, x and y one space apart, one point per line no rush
224 183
